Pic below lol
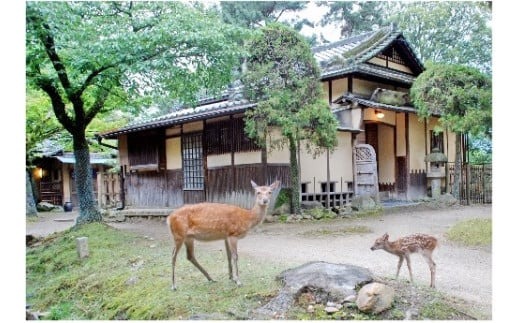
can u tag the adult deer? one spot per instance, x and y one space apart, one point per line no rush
215 221
403 247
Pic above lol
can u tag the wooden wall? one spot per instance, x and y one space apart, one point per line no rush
154 189
224 185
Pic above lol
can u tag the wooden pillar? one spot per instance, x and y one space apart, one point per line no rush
407 139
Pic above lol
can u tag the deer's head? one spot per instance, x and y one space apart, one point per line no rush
380 242
263 193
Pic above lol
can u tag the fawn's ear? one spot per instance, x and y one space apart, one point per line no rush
385 236
254 184
275 185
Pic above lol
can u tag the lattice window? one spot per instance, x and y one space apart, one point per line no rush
437 141
192 162
392 55
228 135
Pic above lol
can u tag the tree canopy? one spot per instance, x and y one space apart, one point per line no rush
455 32
255 14
284 79
354 16
460 94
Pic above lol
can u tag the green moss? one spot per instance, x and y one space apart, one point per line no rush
284 197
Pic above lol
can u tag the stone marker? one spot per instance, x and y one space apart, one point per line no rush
82 246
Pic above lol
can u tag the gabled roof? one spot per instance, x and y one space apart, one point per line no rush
346 56
351 54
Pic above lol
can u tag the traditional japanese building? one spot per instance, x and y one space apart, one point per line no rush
202 153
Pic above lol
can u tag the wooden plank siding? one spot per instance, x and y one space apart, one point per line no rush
164 188
220 187
154 189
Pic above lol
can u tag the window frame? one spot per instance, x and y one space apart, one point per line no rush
192 151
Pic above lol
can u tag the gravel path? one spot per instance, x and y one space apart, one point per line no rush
463 272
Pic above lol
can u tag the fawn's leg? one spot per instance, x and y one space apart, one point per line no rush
191 257
232 242
428 257
228 252
176 247
399 266
409 264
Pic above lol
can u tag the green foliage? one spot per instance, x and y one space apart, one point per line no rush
355 16
254 14
284 197
476 232
460 94
284 79
128 277
320 213
456 32
143 49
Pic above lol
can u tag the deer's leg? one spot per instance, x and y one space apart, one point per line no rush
232 242
399 266
409 264
191 257
177 246
228 252
428 257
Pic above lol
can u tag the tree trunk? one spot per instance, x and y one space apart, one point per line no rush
295 178
458 167
88 209
30 205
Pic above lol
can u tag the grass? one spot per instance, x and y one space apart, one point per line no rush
476 232
129 277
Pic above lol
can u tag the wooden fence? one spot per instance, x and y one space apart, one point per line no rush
475 184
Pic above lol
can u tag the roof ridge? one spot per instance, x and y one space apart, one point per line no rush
343 41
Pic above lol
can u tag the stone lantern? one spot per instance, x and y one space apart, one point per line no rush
436 159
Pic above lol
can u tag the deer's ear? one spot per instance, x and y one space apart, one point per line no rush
385 236
275 185
254 184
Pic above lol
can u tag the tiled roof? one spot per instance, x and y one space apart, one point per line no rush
213 109
345 56
350 55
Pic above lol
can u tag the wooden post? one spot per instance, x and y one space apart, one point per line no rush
468 179
328 180
82 247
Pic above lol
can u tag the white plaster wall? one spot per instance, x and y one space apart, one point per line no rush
219 160
314 170
386 153
173 153
250 157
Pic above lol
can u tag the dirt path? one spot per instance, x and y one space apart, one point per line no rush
461 271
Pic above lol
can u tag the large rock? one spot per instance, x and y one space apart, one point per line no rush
375 298
334 282
45 207
362 203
